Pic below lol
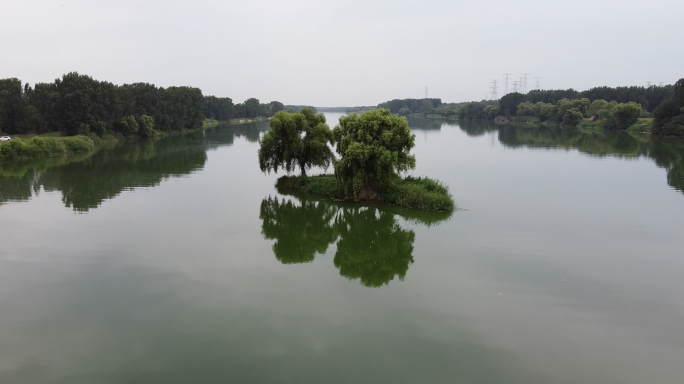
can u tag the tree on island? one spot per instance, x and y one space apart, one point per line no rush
296 140
374 148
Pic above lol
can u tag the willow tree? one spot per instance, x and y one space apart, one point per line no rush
374 148
296 140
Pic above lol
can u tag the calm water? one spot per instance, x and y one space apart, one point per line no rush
178 262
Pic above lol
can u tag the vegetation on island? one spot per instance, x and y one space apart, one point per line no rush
374 148
296 140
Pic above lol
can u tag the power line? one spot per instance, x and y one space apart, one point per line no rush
506 85
495 95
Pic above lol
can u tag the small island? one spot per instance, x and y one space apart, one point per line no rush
373 148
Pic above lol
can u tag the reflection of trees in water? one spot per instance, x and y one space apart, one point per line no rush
225 133
423 123
477 127
371 245
85 185
301 231
86 180
667 153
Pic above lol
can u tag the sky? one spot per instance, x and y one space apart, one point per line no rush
345 52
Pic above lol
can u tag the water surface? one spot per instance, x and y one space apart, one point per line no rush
177 261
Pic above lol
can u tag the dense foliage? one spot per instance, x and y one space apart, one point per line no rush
669 116
647 97
78 104
296 140
373 147
413 105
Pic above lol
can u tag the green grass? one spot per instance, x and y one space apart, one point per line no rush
526 120
643 125
412 192
421 193
41 146
209 124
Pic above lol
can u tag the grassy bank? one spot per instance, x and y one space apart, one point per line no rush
40 146
411 192
643 125
32 146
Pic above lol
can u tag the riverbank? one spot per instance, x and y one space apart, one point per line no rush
411 192
33 146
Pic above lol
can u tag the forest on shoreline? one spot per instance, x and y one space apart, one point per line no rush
77 104
660 108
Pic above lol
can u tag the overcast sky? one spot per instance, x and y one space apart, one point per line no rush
345 52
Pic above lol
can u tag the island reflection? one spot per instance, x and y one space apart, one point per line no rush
372 246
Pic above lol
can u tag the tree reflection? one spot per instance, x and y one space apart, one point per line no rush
667 153
300 231
372 246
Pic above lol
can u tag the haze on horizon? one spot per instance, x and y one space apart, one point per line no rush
344 52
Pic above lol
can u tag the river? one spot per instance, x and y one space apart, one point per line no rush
177 261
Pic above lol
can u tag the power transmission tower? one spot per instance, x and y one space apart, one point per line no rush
426 94
506 85
524 84
495 95
660 83
515 87
649 84
537 85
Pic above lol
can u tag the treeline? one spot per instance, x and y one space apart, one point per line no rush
404 107
570 113
485 109
612 115
669 116
78 104
648 97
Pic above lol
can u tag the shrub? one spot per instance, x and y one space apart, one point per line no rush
674 127
13 149
421 193
572 117
622 116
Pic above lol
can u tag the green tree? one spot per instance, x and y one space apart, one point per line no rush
128 126
622 116
596 106
146 125
572 117
374 147
296 139
404 112
275 107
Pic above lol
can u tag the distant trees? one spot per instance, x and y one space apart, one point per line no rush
373 147
296 140
78 104
414 105
218 108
